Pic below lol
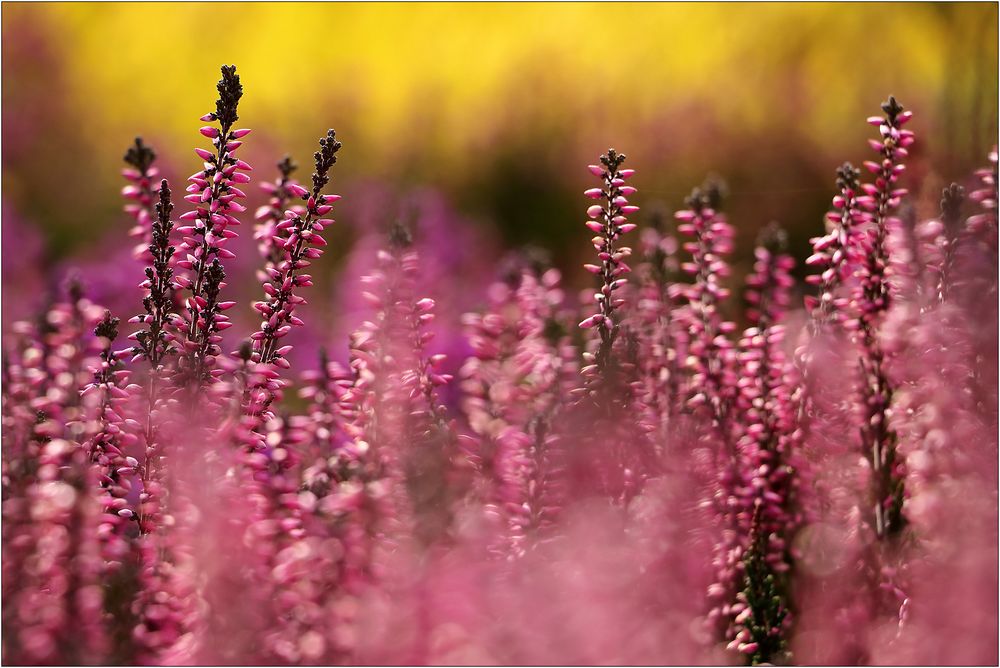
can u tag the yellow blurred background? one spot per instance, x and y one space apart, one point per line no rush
497 106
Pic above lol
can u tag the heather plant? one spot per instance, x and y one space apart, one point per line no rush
666 471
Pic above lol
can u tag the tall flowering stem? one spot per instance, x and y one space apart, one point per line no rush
140 175
710 358
399 424
711 363
106 445
513 385
767 506
611 394
878 438
661 343
214 191
155 343
302 243
609 221
832 255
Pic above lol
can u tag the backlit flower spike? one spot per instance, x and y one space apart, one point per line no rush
301 240
110 435
281 193
287 555
214 191
608 220
141 194
769 283
156 343
973 255
832 257
871 303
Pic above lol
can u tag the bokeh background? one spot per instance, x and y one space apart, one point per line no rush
474 120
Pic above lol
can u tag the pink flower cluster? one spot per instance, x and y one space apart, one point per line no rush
670 476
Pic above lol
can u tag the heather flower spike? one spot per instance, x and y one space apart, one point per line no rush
111 438
710 358
878 438
214 191
520 354
832 252
300 237
155 343
609 220
768 509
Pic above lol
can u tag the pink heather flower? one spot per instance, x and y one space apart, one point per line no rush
609 222
141 194
832 252
872 557
615 456
403 428
765 503
301 240
937 241
710 352
214 191
871 302
108 440
711 364
156 344
660 338
513 389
